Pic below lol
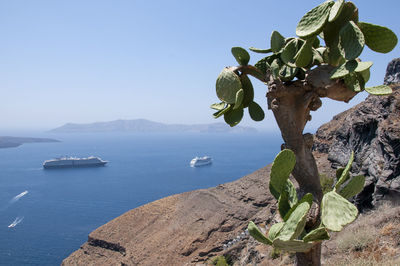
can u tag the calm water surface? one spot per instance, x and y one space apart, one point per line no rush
61 207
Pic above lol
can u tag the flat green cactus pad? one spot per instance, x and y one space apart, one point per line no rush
351 41
289 52
379 90
218 106
257 234
260 51
223 111
318 234
354 82
277 41
337 211
296 222
292 245
241 55
353 187
248 90
256 112
274 230
233 117
345 174
228 84
239 99
287 73
335 10
379 39
306 198
262 65
304 55
281 168
312 22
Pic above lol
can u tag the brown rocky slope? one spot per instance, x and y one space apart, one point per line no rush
186 228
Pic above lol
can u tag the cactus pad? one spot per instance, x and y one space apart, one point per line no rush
228 84
287 73
335 10
257 234
239 99
305 55
274 230
345 174
296 222
351 41
233 117
277 41
218 106
306 198
318 234
289 52
256 112
260 51
344 69
241 55
337 211
248 90
262 65
313 22
353 187
379 90
222 111
292 245
379 39
281 168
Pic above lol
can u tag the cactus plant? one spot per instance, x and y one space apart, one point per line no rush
336 210
322 61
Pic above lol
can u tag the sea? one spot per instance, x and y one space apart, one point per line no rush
45 215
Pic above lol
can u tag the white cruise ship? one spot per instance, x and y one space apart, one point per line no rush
200 161
73 162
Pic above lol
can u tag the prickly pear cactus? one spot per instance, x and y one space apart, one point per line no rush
336 211
332 23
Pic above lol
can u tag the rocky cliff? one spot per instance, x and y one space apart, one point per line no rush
372 130
187 228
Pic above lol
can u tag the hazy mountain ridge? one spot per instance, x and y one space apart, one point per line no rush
143 125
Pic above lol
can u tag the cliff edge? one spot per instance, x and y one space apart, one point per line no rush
187 228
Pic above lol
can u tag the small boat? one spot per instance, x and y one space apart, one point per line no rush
70 162
200 161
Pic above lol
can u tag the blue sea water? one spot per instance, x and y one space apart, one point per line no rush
61 207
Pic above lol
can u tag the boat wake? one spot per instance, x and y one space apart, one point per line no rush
20 195
16 222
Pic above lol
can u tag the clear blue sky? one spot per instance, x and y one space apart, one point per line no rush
86 61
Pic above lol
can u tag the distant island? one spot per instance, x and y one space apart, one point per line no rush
11 142
143 125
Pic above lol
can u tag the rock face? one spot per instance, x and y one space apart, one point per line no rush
372 130
393 72
187 228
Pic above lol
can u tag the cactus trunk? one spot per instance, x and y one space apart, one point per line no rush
292 111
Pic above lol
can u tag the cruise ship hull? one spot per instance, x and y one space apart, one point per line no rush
74 165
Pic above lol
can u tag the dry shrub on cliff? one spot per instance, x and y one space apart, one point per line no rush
374 239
